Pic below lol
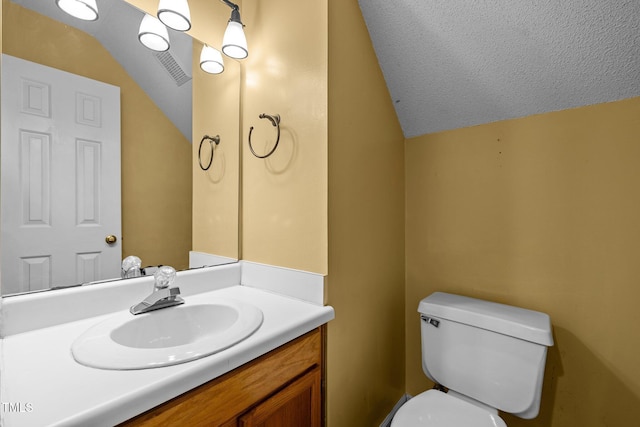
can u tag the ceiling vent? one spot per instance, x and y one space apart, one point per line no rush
175 70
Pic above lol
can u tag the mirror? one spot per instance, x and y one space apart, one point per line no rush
169 205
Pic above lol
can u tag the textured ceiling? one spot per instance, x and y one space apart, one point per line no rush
457 63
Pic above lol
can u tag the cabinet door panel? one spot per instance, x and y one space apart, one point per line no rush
297 405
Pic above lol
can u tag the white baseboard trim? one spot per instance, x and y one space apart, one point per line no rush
389 418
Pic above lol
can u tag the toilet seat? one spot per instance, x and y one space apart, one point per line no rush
434 408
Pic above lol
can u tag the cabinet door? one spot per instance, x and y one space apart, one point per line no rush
297 405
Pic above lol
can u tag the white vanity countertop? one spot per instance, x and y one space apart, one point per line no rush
47 387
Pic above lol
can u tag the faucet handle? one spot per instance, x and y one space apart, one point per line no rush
131 267
164 277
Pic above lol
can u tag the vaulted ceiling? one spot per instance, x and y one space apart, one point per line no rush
457 63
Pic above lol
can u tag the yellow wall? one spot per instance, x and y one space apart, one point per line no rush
330 199
284 202
148 221
540 212
365 354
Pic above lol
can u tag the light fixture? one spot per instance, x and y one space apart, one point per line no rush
175 14
153 34
234 42
211 60
87 10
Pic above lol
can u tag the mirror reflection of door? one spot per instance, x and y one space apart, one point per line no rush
60 166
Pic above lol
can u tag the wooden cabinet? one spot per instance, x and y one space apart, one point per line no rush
298 404
283 388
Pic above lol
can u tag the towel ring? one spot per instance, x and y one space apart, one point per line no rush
212 139
275 121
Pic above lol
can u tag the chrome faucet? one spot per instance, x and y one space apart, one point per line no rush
163 295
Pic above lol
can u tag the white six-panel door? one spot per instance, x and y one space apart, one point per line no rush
60 177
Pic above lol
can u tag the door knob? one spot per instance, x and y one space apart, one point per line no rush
111 239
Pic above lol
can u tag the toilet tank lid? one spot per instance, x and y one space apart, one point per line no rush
517 322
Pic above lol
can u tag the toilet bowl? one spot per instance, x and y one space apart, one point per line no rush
489 356
434 408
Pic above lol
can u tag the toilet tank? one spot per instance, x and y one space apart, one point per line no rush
493 353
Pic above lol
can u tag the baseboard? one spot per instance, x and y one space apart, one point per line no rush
389 418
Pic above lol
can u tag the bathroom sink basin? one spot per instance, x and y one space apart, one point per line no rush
168 336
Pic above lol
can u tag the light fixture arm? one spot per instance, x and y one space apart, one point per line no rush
230 4
235 12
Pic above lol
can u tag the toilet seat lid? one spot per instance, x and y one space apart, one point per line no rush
434 408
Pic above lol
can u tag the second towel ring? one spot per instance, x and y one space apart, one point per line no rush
275 121
212 139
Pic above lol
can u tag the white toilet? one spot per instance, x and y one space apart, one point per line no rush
489 356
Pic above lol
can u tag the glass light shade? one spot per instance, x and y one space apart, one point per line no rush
153 34
87 10
175 14
234 43
211 60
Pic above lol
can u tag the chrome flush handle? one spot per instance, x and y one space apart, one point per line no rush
430 320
